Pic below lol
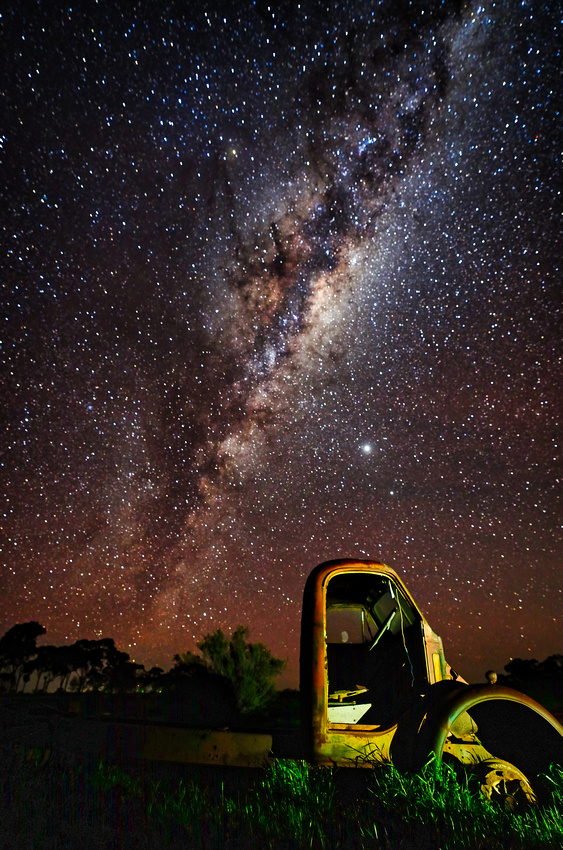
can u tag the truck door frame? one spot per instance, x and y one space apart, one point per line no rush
345 744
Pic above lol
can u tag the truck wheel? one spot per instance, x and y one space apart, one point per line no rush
504 785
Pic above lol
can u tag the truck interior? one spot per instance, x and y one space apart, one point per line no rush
375 650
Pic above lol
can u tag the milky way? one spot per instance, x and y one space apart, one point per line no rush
281 285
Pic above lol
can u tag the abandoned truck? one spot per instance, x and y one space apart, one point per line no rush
375 687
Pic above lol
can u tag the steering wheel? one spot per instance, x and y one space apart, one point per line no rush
384 627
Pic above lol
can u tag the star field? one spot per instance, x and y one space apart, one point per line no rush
280 284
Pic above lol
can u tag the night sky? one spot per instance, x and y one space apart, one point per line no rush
279 285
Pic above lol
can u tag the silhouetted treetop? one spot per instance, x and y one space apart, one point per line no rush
17 647
249 667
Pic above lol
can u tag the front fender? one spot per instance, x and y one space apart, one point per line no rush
508 724
504 718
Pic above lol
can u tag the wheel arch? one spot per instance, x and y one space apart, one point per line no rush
510 725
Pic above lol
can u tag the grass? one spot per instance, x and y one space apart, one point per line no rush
444 811
293 801
45 806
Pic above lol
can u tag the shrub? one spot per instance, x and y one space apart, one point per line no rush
249 667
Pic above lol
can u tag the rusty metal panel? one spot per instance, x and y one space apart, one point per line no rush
202 746
349 748
325 743
435 655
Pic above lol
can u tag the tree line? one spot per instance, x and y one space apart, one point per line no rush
97 665
248 669
528 671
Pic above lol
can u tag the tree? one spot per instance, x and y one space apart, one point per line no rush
91 661
47 663
552 667
124 675
152 680
522 670
250 668
17 647
63 662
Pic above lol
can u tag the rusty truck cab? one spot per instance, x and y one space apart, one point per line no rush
367 655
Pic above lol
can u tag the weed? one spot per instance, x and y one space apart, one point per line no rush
292 801
446 811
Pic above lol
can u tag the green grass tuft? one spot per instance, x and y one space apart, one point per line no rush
446 812
292 801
